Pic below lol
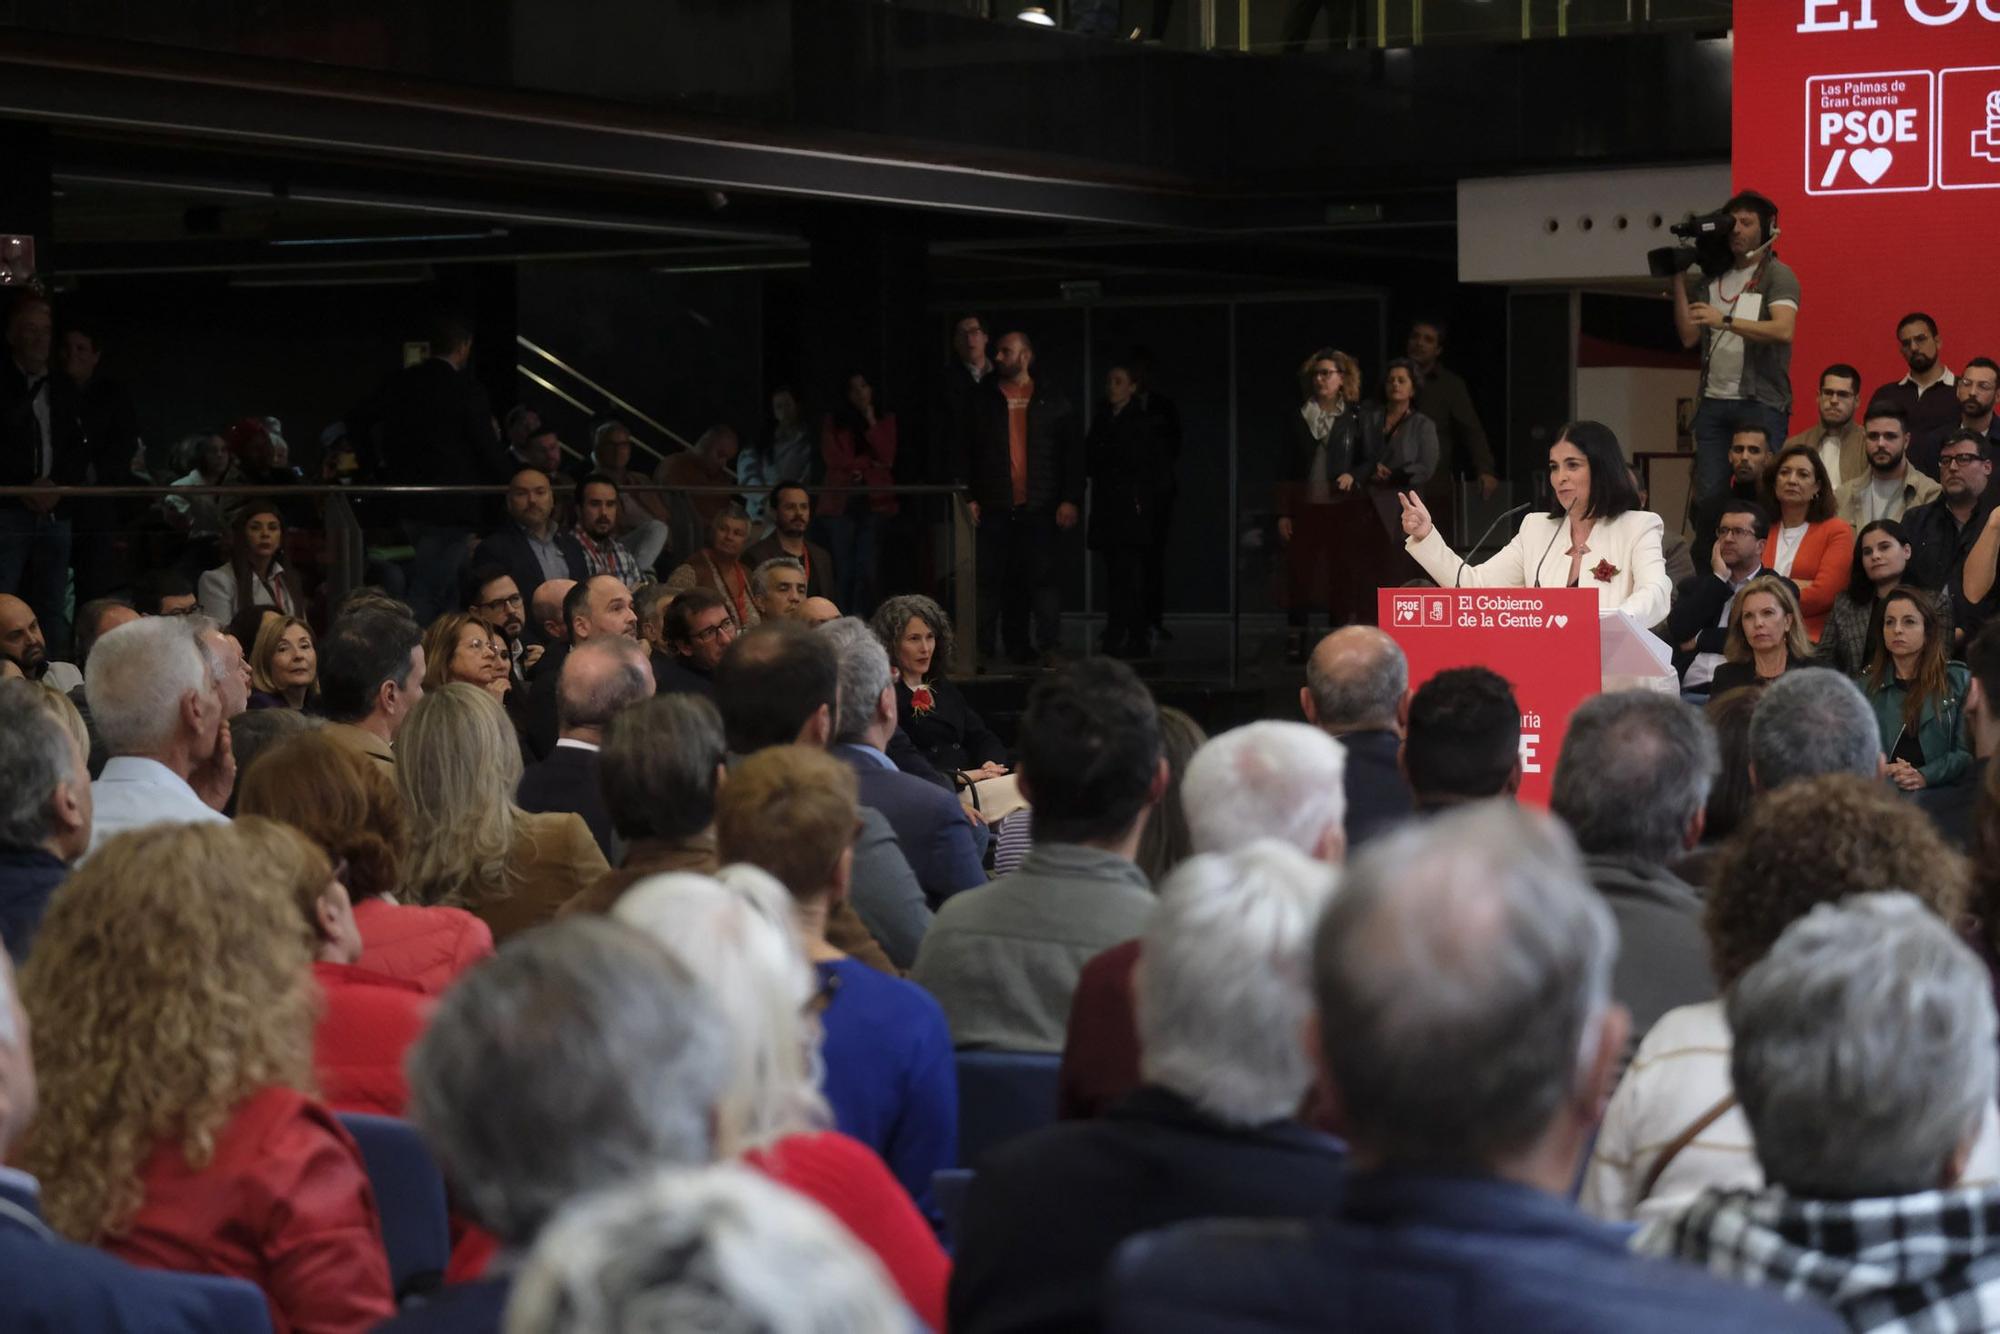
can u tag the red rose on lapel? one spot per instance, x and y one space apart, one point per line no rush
921 700
1604 572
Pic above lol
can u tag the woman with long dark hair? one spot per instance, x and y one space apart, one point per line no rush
1592 535
1854 626
1918 694
256 574
858 443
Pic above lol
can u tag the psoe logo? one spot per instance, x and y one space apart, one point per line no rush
1413 611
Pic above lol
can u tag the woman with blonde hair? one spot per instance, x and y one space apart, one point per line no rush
741 940
347 804
173 1015
284 666
457 766
1767 636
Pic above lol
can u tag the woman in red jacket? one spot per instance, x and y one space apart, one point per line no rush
858 442
1808 544
347 804
173 1018
742 943
367 1021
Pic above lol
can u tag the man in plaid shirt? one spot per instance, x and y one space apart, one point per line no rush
597 500
1864 1061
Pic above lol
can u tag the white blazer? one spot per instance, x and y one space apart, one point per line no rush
1538 557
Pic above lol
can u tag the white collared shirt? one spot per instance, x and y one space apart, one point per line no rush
134 792
574 744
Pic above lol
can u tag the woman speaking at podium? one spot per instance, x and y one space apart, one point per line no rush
1593 534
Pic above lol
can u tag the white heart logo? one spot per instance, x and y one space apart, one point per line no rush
1560 620
1870 164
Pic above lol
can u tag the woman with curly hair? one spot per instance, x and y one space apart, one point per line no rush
1918 696
347 804
173 1015
471 846
1673 1126
284 666
930 708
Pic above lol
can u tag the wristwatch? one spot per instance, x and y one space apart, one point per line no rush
1728 321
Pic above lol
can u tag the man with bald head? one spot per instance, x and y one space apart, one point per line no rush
599 679
23 644
1358 690
816 612
600 607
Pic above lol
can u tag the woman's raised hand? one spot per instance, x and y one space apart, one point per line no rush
1416 519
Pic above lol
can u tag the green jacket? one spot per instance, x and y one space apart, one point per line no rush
1940 728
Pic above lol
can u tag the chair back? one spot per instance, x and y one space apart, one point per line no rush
235 1305
1002 1094
409 1193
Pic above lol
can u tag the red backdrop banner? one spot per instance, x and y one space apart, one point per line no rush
1874 125
1543 640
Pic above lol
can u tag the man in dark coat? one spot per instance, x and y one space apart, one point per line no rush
41 443
1026 469
597 680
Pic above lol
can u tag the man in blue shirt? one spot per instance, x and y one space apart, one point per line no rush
1468 1037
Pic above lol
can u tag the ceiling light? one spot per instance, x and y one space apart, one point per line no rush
1037 15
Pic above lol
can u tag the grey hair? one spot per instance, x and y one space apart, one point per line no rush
760 577
205 628
1463 975
744 947
591 699
894 615
1367 685
1634 771
37 755
1225 981
1863 1049
1265 780
1811 722
722 1250
136 678
604 428
578 1055
864 673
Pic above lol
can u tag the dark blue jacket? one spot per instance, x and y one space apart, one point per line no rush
508 548
50 1286
943 847
567 781
28 877
478 1307
1378 797
1047 1210
1430 1255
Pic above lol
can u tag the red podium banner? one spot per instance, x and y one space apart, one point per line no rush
1543 640
1875 127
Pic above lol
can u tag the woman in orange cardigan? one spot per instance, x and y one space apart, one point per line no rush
1808 545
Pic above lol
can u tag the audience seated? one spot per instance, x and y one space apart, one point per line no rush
1004 959
698 631
598 681
946 730
162 718
94 620
490 594
44 813
720 1249
163 592
470 845
718 567
659 771
458 646
1882 559
791 512
1461 740
1864 1063
1223 1004
1632 784
817 611
1264 780
642 515
1729 796
528 545
598 505
284 666
1955 808
47 1284
599 607
1674 1126
1464 1015
22 644
1357 690
367 1020
779 586
1767 636
1918 695
778 685
173 1018
742 942
580 1057
371 674
348 805
1811 723
942 845
256 573
889 1075
1166 841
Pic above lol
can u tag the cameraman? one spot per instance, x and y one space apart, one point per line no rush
1743 316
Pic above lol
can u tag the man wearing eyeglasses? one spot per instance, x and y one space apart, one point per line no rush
1947 535
1890 486
698 630
1837 436
490 594
1698 626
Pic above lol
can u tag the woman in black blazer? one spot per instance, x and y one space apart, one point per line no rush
953 737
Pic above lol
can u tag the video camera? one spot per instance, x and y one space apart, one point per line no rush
1705 241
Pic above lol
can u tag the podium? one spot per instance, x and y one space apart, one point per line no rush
1551 644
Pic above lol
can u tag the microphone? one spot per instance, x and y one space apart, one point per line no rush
1497 521
1561 528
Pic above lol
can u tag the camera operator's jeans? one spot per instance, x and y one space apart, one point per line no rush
1715 421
